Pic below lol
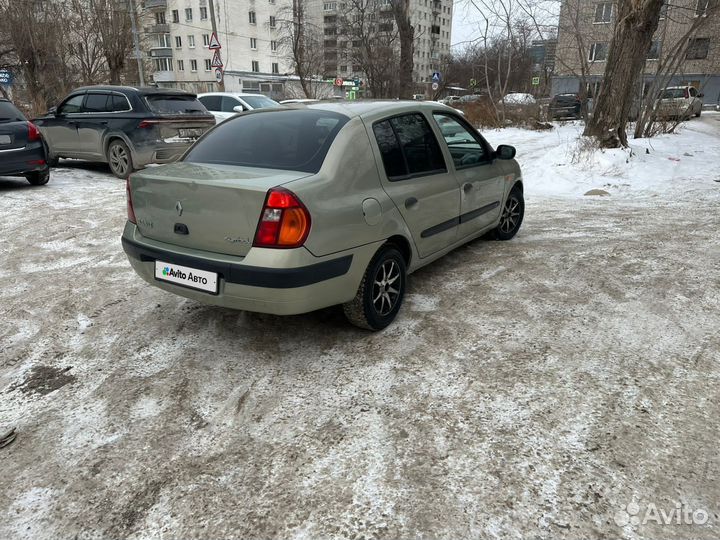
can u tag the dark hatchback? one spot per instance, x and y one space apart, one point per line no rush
565 106
125 127
22 149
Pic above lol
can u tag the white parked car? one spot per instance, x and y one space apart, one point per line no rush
518 98
299 100
223 105
679 102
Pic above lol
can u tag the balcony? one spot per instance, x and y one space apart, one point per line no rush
161 52
164 76
156 4
158 29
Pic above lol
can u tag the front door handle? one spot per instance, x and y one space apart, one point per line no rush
467 187
410 202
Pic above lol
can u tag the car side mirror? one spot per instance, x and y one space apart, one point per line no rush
239 108
505 151
53 111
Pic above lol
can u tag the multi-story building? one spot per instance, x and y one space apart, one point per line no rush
255 45
689 28
178 32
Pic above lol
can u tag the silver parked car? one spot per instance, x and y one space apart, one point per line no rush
290 210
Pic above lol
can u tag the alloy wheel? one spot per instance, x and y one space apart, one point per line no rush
119 159
386 287
510 215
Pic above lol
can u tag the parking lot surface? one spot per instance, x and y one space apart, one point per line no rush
528 389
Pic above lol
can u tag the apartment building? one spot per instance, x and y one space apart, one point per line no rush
586 28
431 21
177 33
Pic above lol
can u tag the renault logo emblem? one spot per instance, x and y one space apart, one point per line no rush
179 208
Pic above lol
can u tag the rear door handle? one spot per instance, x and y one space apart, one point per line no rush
410 202
467 187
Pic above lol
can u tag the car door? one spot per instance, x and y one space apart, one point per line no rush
93 123
416 178
479 175
60 129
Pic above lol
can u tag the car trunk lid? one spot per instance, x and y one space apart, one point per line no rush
178 117
13 135
208 207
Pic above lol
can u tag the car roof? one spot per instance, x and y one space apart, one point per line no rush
679 87
144 90
234 94
373 108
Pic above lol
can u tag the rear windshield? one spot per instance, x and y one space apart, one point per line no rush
175 104
671 93
9 113
259 102
294 140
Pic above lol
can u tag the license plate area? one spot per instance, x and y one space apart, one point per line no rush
185 276
5 139
187 133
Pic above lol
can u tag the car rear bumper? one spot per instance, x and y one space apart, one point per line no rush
281 282
24 160
158 152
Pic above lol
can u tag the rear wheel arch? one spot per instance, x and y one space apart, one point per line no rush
403 246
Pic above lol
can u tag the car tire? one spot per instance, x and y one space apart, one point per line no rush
512 215
377 302
119 159
698 114
38 178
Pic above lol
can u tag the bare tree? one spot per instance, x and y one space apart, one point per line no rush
637 21
300 41
406 32
114 34
86 52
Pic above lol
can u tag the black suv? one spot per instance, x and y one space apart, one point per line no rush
22 149
123 126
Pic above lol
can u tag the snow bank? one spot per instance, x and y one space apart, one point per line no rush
560 162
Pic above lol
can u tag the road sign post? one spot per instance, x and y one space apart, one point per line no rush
536 81
214 42
216 61
219 75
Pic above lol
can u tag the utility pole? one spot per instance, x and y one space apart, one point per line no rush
221 83
136 42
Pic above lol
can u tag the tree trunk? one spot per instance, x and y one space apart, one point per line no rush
636 23
405 31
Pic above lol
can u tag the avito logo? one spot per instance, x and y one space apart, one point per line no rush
170 272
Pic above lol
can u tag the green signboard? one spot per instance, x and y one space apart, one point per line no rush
536 81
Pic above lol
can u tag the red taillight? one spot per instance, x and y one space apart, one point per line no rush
130 209
145 124
284 221
33 132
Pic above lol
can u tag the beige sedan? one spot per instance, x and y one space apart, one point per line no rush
291 210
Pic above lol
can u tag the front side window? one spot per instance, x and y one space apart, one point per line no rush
211 103
228 104
294 140
603 12
415 151
465 147
72 105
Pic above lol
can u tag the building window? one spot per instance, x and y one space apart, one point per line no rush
329 6
181 65
193 65
598 52
343 69
176 16
208 64
191 42
701 10
163 64
273 46
251 17
272 21
188 14
203 13
163 41
253 43
178 42
160 17
206 40
255 66
603 12
275 67
698 49
654 52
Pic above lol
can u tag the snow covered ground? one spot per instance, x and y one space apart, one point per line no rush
529 389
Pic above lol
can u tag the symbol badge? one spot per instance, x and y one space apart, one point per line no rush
179 208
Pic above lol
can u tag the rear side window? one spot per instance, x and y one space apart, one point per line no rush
295 140
171 104
120 103
10 113
211 103
97 103
414 151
